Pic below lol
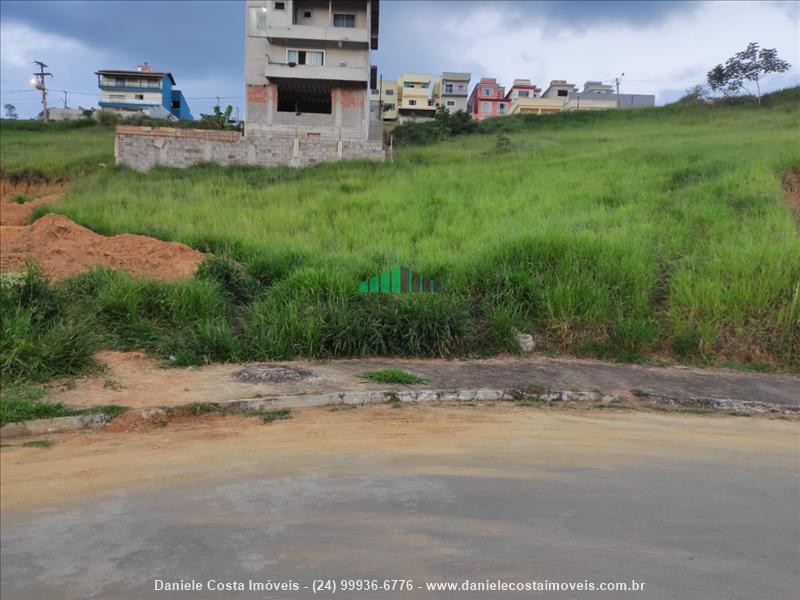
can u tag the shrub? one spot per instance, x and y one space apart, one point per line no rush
41 339
230 277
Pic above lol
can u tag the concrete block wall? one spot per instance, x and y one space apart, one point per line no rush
142 148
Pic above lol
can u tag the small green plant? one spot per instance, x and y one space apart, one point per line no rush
396 376
502 143
111 384
21 198
201 408
342 407
38 444
269 415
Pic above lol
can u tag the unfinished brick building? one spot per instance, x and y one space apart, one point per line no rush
307 80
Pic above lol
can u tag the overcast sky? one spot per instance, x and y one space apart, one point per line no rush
662 47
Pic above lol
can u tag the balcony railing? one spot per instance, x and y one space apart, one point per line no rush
324 72
329 36
135 88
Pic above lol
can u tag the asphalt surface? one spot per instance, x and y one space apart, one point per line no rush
723 526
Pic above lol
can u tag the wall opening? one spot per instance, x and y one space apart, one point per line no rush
304 102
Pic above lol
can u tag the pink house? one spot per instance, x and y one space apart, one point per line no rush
487 100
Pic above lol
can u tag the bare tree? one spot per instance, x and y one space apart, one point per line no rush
11 111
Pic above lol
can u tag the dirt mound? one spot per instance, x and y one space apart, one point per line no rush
791 186
267 373
62 249
12 213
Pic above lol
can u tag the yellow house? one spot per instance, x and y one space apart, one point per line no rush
536 106
388 93
415 101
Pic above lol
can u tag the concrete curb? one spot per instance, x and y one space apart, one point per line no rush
54 425
66 424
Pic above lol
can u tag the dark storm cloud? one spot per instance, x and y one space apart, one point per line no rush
191 38
412 39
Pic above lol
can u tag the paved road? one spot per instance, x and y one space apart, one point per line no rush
721 525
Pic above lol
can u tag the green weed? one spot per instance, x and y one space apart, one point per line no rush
268 416
38 444
396 376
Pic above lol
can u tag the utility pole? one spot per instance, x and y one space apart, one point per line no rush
40 85
65 98
616 81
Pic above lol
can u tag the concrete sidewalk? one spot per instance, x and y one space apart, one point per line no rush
134 380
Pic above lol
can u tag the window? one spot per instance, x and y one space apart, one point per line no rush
486 107
176 104
451 103
563 93
341 20
257 21
408 84
303 102
139 96
305 57
306 14
387 106
279 5
523 93
412 102
501 108
448 88
487 92
389 92
118 96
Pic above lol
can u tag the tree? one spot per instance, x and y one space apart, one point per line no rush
11 111
749 65
218 119
697 94
442 119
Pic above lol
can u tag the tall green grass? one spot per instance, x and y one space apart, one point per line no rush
618 234
42 151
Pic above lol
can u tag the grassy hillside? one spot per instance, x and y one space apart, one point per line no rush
53 150
612 233
627 234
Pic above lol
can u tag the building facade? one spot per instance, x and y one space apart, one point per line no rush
524 98
415 101
144 91
600 96
387 95
559 88
487 100
451 90
308 69
308 78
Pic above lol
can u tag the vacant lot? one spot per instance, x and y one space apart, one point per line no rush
631 235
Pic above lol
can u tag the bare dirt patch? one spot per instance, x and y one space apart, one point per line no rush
40 192
62 249
449 439
791 187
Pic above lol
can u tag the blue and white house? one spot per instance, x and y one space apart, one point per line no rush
143 91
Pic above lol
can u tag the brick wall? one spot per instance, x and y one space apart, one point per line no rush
142 148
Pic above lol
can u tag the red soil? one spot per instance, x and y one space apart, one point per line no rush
62 248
